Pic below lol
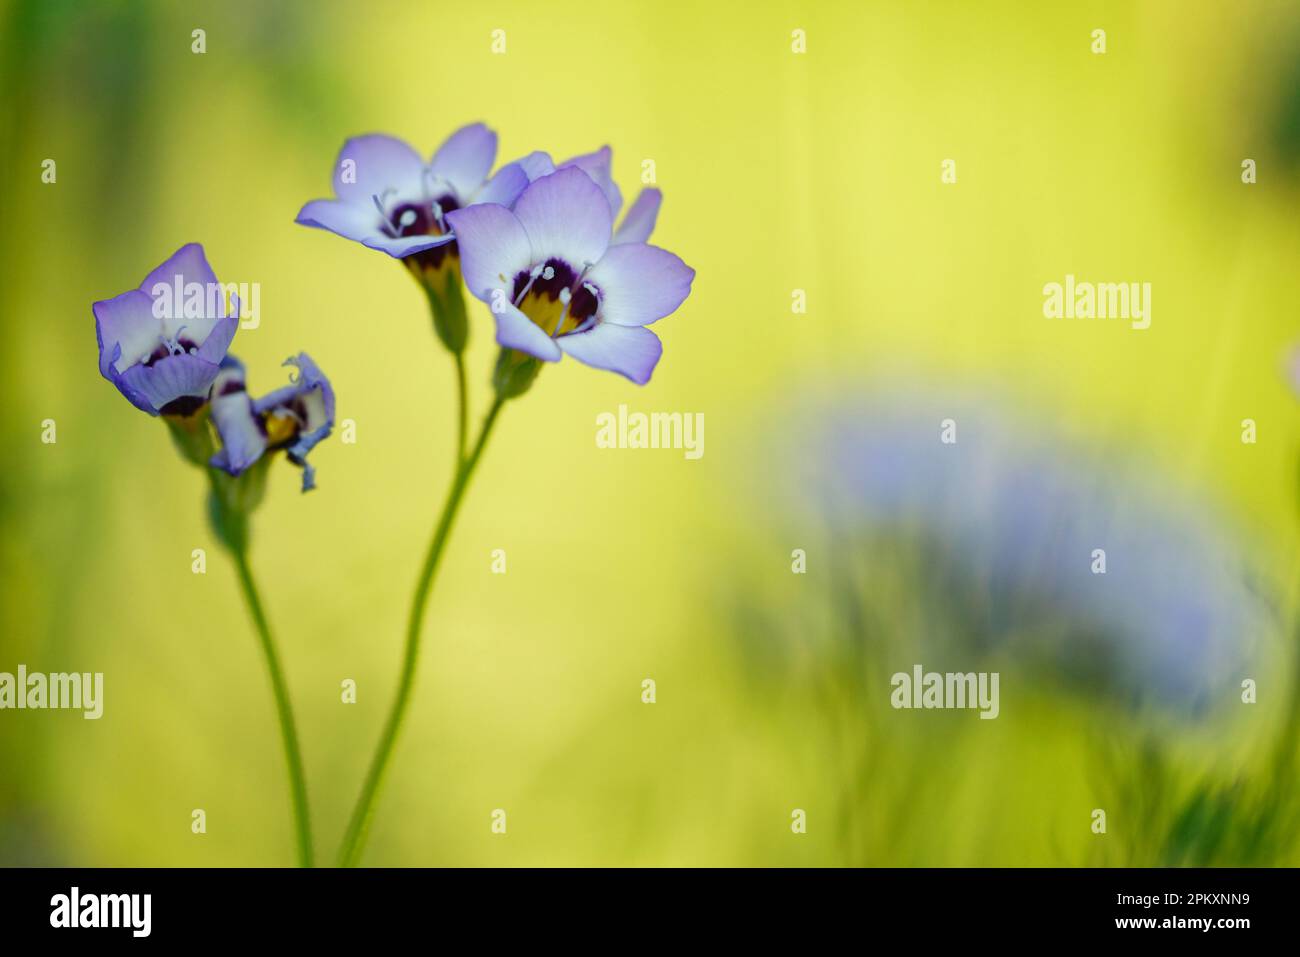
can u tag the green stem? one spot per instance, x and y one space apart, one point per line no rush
463 395
359 824
292 753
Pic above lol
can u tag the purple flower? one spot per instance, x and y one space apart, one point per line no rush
993 538
639 222
162 344
556 284
294 418
389 199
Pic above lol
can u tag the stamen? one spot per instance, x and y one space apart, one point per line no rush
566 297
536 271
174 348
430 178
407 218
383 216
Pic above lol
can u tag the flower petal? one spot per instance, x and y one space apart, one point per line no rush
170 378
132 394
639 284
402 246
517 331
242 440
465 159
356 221
217 343
188 262
504 187
600 167
309 397
631 352
127 330
493 249
181 283
309 381
537 164
566 216
639 222
369 165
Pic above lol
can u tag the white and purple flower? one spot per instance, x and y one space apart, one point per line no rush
556 283
390 199
162 352
294 418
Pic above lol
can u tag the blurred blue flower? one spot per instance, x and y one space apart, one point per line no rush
1006 521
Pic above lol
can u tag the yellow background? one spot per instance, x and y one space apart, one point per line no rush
780 171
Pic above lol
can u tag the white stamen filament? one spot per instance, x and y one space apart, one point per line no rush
173 346
384 221
532 278
566 297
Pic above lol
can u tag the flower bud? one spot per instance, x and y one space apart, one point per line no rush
446 301
514 373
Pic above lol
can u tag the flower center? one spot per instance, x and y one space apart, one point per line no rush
425 219
281 427
555 297
177 346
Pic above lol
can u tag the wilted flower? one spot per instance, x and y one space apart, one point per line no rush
556 284
294 418
162 344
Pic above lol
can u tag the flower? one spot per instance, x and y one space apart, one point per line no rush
639 222
389 199
556 284
294 418
992 539
162 344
